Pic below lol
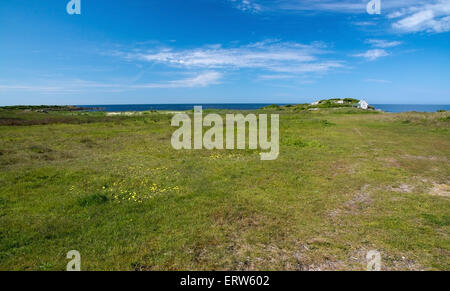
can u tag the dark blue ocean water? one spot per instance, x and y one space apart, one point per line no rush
251 106
410 107
176 107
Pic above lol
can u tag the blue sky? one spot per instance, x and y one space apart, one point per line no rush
223 51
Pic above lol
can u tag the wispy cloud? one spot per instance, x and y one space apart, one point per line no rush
204 66
339 6
58 86
381 43
37 88
268 55
364 23
380 81
275 77
373 54
378 50
430 17
407 15
247 5
76 86
202 80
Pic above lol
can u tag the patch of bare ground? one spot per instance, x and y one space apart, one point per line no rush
296 257
442 190
389 262
354 260
390 162
327 265
275 257
402 188
425 158
360 201
436 189
362 198
402 263
303 259
342 168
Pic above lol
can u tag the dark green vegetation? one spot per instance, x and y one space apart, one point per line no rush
113 188
322 104
37 117
44 108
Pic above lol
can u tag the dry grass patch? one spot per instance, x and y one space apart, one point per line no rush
441 190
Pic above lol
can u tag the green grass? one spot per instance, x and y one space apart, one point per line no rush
113 188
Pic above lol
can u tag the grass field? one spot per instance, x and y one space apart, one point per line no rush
112 187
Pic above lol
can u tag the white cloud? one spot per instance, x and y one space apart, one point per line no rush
408 15
372 55
378 51
267 55
309 68
204 66
247 5
276 77
381 43
339 6
430 17
364 23
202 80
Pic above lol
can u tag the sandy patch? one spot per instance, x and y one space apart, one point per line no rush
441 190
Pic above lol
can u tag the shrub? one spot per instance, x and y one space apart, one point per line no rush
273 106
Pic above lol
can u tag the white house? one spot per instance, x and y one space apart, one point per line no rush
363 105
340 102
315 103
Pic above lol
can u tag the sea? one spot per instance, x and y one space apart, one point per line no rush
392 108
